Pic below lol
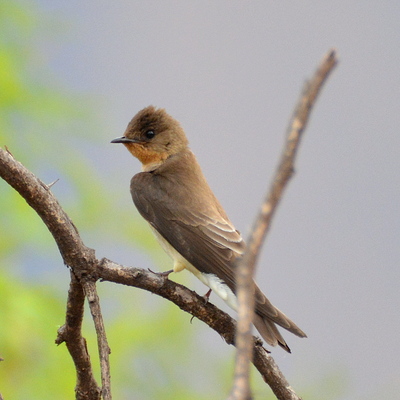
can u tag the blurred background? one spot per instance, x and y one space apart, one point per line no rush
72 74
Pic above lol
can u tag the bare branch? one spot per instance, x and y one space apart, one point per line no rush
104 350
70 333
246 267
194 304
272 375
38 195
286 165
244 345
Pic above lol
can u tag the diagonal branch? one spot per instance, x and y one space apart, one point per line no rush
75 254
194 304
286 165
246 267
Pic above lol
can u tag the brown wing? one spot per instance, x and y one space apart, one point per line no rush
202 236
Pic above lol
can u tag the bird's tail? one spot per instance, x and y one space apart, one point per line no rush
266 316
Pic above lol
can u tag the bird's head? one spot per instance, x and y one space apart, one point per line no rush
152 136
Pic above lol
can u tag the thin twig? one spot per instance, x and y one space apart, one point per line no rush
246 267
244 346
286 166
102 344
70 333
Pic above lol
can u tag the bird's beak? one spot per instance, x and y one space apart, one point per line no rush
124 139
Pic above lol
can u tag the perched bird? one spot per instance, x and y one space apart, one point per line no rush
173 196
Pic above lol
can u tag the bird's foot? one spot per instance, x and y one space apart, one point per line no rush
206 297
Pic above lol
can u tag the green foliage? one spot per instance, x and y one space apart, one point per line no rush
148 342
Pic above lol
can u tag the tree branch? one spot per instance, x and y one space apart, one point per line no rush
90 290
70 333
246 266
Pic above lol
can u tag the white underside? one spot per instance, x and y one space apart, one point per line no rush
210 280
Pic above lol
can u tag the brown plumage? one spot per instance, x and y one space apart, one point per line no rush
173 195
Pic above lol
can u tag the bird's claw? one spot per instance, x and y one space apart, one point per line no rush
164 274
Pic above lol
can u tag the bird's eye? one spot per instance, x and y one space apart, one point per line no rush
150 134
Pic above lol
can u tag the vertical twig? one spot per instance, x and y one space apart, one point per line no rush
245 269
243 339
70 333
104 350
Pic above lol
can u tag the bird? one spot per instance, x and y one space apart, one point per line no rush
173 196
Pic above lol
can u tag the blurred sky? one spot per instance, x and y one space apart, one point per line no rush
231 72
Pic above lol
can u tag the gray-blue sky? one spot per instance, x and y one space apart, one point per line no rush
231 72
